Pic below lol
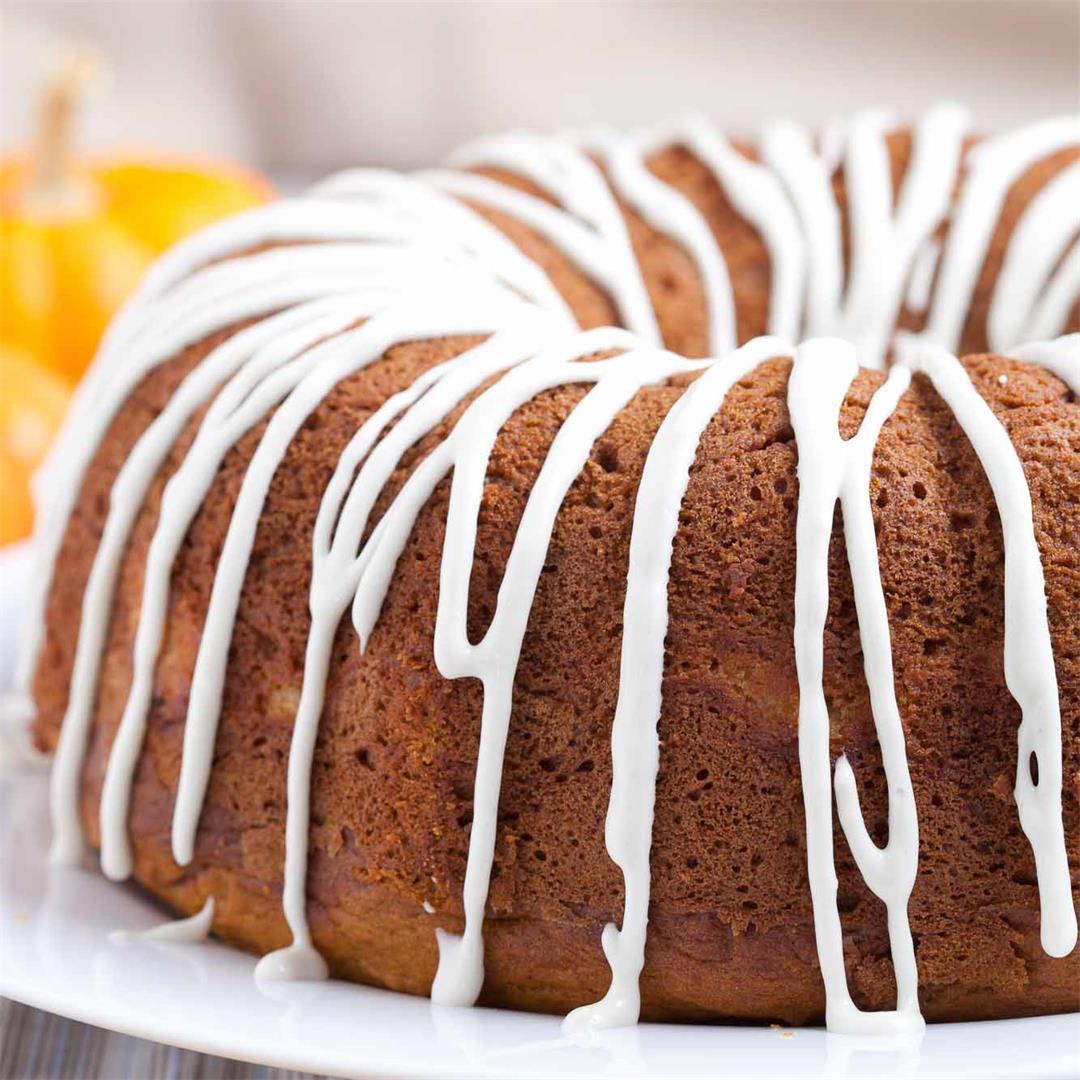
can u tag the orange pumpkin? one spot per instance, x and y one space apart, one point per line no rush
76 235
33 401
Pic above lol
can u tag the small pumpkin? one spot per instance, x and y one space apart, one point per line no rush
75 235
33 401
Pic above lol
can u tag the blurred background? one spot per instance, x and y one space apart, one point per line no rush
125 124
303 87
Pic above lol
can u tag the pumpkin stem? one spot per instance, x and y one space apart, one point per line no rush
56 188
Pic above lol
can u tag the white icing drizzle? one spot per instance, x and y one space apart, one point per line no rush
634 741
189 931
1061 357
921 282
567 174
831 469
605 257
113 374
328 364
407 258
126 500
1029 658
992 169
669 211
265 379
788 149
1052 309
884 241
337 567
454 225
1050 222
493 660
758 196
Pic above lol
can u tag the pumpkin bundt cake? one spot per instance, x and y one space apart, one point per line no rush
419 605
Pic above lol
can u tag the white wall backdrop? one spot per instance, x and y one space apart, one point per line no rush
308 86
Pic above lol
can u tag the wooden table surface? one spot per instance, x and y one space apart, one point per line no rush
36 1045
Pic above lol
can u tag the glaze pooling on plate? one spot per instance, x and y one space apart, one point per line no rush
189 931
386 260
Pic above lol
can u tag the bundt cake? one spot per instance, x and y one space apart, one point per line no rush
411 609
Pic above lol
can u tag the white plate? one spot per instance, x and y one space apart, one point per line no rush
55 954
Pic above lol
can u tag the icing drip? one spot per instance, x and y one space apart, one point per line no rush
561 169
453 225
1061 357
192 930
1041 237
635 747
992 169
493 660
602 252
126 500
921 282
885 242
268 375
328 364
378 260
1051 311
1029 658
668 211
757 194
787 148
115 372
341 522
832 469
